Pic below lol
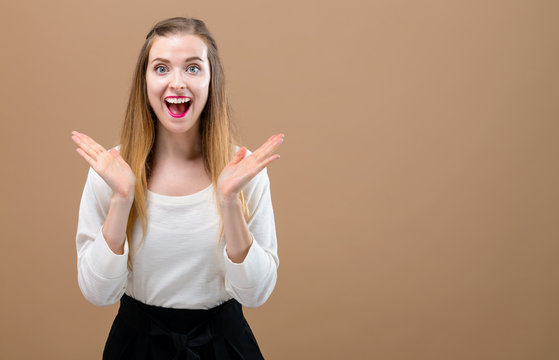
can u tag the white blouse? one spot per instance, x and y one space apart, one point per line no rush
181 262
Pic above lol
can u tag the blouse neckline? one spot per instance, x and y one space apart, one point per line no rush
179 200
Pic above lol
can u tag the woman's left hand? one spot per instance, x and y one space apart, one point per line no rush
241 170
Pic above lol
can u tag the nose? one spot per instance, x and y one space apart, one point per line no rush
177 82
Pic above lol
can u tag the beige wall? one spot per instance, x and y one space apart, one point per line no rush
416 197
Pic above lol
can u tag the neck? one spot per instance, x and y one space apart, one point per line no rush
180 147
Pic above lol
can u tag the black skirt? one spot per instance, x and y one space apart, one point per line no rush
142 332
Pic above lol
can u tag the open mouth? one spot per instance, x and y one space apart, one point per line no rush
177 106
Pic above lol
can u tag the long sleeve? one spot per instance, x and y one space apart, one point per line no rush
102 274
252 281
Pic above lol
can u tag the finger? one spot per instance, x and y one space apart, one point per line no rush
269 146
239 155
277 142
94 145
86 157
273 142
84 146
116 154
268 161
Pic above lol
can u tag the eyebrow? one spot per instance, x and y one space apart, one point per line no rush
187 60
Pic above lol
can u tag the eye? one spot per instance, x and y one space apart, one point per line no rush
160 69
195 70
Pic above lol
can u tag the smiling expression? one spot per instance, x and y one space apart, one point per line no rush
178 80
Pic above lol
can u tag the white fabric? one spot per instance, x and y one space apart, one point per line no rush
179 264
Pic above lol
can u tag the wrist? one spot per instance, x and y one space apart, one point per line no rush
229 201
122 200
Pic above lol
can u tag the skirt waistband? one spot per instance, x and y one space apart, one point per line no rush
186 329
177 320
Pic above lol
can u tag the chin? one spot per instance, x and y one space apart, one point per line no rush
176 126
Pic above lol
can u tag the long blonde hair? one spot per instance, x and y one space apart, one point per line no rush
138 131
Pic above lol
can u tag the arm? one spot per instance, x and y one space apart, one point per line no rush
101 243
250 254
104 209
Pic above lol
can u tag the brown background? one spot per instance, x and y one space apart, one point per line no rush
416 198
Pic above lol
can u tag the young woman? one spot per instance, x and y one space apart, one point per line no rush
177 222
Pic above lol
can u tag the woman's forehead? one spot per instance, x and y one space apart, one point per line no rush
178 47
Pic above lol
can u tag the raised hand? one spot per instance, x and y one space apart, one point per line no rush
108 164
241 170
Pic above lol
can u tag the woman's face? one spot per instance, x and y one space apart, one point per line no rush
178 80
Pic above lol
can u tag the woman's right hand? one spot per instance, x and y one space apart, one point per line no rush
108 164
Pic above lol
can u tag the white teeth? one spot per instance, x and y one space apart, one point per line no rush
177 101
